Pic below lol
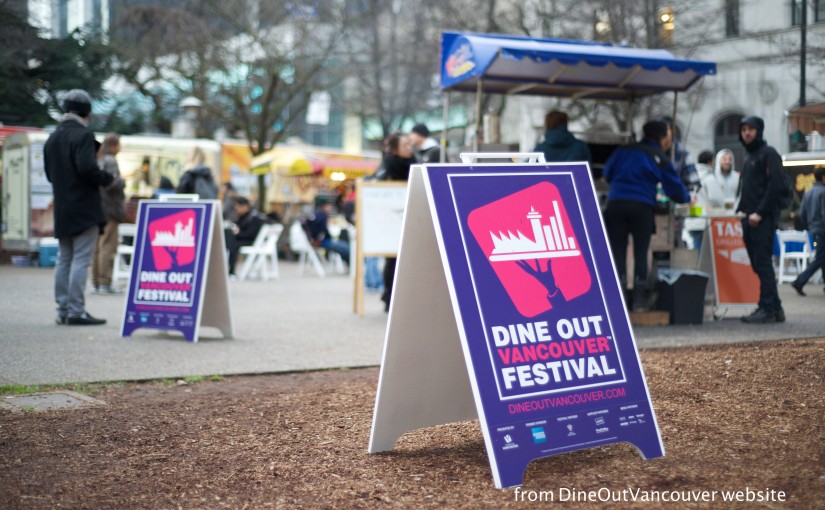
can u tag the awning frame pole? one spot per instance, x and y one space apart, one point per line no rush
445 114
628 123
671 216
478 115
673 126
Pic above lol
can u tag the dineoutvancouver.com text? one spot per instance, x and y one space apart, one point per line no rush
630 494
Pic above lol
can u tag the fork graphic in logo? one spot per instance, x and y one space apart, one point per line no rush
528 239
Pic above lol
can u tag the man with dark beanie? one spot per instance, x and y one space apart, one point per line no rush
70 159
761 185
633 172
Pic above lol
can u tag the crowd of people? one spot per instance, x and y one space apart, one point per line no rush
90 203
637 171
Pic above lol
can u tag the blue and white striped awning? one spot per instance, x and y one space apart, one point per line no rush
552 67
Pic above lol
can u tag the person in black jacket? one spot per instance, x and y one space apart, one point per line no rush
70 160
197 179
244 231
761 185
398 157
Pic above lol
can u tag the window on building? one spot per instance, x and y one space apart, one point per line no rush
796 12
731 18
819 10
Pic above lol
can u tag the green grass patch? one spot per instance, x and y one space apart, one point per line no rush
19 389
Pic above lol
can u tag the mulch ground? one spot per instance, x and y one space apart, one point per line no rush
732 417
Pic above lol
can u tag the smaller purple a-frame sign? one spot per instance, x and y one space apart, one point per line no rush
546 358
177 282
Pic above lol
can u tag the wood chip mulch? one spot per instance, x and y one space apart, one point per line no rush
732 417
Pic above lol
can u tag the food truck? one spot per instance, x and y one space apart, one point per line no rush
297 174
28 203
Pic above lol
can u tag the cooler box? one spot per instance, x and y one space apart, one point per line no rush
48 252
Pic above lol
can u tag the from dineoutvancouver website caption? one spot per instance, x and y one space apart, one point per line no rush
635 494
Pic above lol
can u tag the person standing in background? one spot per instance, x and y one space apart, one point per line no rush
165 187
70 160
559 144
398 157
197 179
812 216
726 180
114 208
425 147
633 172
761 186
140 185
696 226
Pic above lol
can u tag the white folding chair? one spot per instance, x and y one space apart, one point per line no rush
122 269
262 257
299 243
791 263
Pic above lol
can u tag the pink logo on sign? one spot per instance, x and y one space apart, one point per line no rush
529 241
173 240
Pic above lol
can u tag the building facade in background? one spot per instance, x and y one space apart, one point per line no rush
756 46
59 18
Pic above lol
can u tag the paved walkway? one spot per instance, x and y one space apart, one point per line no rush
294 323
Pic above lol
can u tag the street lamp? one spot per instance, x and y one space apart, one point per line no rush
185 125
666 25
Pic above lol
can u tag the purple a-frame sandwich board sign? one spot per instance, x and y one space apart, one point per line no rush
179 275
521 325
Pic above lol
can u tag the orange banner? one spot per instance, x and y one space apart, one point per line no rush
736 283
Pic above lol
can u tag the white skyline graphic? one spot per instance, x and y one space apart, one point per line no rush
737 256
549 241
183 237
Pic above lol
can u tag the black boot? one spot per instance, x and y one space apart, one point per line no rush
641 296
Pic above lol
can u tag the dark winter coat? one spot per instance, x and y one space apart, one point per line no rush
187 180
249 225
70 159
761 181
397 168
560 145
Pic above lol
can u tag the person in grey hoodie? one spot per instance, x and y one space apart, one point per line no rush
559 144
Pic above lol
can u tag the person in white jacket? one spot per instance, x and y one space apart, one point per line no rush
719 186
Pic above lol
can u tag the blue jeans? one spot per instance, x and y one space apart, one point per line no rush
73 261
339 247
372 276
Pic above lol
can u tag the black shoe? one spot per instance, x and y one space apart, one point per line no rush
780 315
61 320
85 320
798 288
760 316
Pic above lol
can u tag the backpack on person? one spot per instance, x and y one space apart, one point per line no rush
786 193
205 187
